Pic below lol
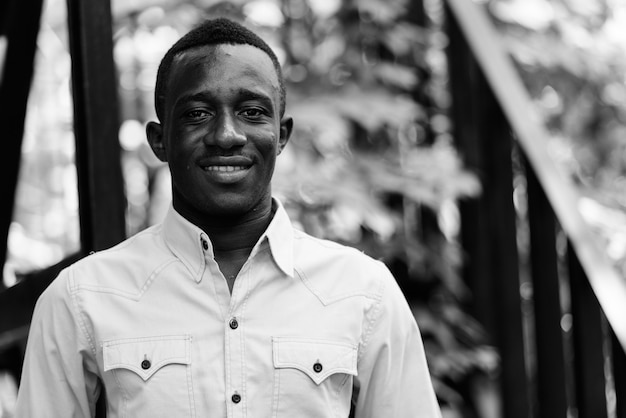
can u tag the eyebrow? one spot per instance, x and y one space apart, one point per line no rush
253 95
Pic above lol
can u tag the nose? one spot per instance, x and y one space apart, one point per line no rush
226 134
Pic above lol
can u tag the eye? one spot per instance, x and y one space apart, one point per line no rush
196 114
253 113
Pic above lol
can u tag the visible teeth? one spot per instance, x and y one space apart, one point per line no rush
224 168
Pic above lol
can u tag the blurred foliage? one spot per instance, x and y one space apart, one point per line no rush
45 226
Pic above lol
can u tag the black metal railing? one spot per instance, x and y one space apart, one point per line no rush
100 186
548 370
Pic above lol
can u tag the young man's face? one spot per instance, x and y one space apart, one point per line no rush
222 130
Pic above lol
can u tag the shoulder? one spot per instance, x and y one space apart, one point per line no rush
335 270
123 268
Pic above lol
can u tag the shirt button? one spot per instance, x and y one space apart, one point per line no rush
205 244
233 323
145 364
236 398
317 367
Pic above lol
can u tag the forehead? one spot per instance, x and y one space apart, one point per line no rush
224 62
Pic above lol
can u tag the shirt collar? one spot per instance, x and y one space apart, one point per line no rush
186 241
279 234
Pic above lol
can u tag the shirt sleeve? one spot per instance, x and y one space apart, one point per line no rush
56 377
393 378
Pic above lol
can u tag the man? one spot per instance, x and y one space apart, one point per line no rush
224 310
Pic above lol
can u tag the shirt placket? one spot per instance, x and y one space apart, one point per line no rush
234 328
232 316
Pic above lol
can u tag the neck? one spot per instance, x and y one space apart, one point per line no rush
233 241
232 236
235 234
229 232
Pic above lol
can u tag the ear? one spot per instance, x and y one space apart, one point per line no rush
154 132
286 126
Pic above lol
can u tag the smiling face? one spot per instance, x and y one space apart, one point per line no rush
221 131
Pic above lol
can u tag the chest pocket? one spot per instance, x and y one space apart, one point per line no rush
312 378
151 375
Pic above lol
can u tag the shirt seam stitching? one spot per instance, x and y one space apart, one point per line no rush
180 255
114 291
372 322
190 387
77 312
330 300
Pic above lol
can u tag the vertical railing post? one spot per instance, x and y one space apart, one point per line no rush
96 124
550 373
489 223
589 340
618 357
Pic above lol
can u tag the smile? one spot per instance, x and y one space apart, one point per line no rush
226 174
224 168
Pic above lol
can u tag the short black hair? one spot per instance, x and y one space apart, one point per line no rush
212 32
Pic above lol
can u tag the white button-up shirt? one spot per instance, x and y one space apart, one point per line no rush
311 328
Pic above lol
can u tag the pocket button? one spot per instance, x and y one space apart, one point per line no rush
145 364
317 367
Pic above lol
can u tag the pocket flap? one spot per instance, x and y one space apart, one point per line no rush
144 356
318 359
